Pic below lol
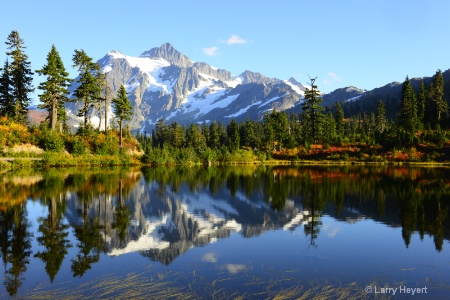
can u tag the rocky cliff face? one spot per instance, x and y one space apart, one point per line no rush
164 83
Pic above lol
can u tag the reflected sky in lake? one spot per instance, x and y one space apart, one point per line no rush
233 231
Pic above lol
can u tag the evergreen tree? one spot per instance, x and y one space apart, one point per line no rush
89 87
436 106
339 119
233 136
329 128
223 138
195 138
122 108
279 123
421 100
313 110
177 135
54 89
6 98
21 77
161 133
269 132
380 118
214 136
407 117
249 134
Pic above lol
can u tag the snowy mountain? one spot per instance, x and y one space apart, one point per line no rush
164 83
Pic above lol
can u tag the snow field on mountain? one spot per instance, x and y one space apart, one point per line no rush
152 67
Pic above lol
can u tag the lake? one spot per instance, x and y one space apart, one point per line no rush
253 232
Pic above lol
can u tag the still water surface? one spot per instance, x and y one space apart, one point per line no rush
221 233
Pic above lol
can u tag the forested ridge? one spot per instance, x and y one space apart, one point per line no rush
417 131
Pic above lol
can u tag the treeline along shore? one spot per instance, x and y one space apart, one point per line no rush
418 134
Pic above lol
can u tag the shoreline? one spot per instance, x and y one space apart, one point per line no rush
62 161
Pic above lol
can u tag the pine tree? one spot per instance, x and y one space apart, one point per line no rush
6 98
89 81
223 138
54 89
195 138
249 134
313 109
214 136
329 128
21 77
339 119
177 135
421 100
122 108
269 132
233 135
436 106
161 133
380 118
279 123
407 117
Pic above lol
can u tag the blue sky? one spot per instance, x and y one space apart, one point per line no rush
344 43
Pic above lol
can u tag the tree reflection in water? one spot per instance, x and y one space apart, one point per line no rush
109 209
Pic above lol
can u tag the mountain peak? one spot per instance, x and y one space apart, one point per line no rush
254 77
293 81
169 53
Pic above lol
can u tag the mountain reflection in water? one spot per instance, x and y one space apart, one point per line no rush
162 213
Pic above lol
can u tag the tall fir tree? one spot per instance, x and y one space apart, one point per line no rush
195 138
89 83
280 126
21 76
380 118
6 98
233 136
339 119
177 135
329 128
161 133
269 132
249 134
214 136
407 117
54 89
436 106
421 100
122 109
313 110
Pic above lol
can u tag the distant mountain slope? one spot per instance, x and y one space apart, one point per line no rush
164 83
366 101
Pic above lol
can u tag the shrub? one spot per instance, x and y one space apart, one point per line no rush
106 145
51 141
77 146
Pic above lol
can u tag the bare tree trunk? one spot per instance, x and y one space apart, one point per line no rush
120 129
107 92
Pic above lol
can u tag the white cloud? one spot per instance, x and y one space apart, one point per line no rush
331 78
235 268
235 39
331 231
212 51
334 77
209 257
